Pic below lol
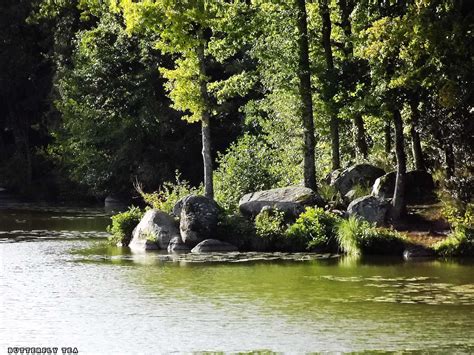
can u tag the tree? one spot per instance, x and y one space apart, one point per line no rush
382 47
304 77
354 79
182 28
330 82
116 121
25 80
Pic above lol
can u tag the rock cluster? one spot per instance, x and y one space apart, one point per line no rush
193 224
197 224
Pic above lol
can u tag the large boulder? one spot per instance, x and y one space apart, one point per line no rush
419 186
176 245
370 208
214 246
154 231
199 217
360 174
292 200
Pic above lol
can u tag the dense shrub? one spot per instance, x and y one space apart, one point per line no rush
315 229
269 223
170 192
236 230
461 240
357 237
123 224
270 227
459 243
246 167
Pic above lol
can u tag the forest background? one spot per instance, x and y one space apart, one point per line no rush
98 95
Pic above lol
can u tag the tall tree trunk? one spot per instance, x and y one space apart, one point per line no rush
449 160
360 142
399 202
346 7
415 138
304 76
205 122
331 82
387 137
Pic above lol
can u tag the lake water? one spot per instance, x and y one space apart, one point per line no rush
61 287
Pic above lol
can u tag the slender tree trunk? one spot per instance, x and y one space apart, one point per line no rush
205 123
388 137
360 142
346 8
304 76
449 160
399 202
331 84
415 138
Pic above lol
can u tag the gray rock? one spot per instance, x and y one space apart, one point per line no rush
292 200
361 174
419 186
178 207
332 176
350 196
176 245
199 217
154 231
370 208
213 246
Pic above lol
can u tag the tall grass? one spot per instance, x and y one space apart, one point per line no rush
357 237
169 193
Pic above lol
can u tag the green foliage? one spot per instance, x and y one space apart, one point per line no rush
361 190
169 193
236 230
123 224
179 27
460 241
315 229
114 112
357 237
246 167
270 226
328 192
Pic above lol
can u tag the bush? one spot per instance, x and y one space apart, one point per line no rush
315 229
460 242
357 237
270 227
236 230
169 193
246 167
123 224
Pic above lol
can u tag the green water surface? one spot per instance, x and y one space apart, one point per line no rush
65 288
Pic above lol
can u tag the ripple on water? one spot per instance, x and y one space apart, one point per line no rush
42 235
99 254
411 290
